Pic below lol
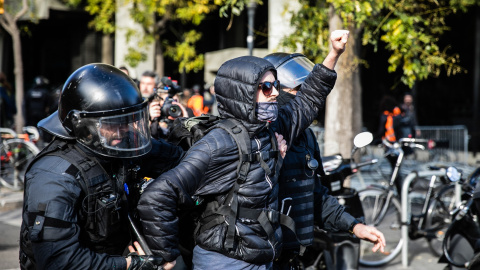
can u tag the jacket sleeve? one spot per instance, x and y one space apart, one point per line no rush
172 190
163 157
56 196
329 214
300 112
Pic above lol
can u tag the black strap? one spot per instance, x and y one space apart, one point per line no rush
48 221
228 212
240 135
215 214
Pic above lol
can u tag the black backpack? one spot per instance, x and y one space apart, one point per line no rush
185 133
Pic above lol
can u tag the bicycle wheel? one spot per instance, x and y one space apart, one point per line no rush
15 155
387 220
438 217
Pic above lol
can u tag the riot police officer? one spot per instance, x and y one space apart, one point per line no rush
80 188
300 190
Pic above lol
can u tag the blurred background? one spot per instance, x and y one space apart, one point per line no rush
429 49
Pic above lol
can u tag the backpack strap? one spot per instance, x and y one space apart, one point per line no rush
230 207
216 213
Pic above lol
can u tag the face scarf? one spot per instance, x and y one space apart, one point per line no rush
267 111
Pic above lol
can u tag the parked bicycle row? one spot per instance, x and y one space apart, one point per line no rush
16 152
433 202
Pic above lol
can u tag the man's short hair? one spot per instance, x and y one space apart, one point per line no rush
124 68
151 74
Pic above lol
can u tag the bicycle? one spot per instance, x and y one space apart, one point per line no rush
382 209
16 152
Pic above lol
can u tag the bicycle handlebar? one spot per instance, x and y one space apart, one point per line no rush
365 163
416 143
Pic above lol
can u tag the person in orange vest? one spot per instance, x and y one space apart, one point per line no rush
392 127
196 102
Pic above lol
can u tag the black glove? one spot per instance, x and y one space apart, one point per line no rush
145 262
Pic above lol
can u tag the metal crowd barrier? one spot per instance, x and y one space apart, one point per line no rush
456 136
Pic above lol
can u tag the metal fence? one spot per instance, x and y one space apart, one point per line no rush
452 146
457 138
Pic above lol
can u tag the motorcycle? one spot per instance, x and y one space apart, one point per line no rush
338 250
461 242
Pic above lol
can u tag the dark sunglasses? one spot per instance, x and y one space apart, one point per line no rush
267 87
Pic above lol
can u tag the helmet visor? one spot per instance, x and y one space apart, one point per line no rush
294 71
122 136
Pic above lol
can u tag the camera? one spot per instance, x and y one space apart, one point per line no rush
168 109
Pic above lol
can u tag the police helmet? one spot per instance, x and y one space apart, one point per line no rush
102 108
292 69
40 81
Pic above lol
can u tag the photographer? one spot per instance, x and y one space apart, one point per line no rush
164 108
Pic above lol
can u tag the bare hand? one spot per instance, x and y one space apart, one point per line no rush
339 40
169 265
282 145
371 234
139 251
154 109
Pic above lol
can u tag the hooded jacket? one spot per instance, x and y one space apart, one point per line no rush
208 169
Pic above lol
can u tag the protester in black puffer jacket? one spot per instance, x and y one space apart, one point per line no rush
209 167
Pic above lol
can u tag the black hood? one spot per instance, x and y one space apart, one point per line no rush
236 87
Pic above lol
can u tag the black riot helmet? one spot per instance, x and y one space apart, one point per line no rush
102 108
40 81
292 69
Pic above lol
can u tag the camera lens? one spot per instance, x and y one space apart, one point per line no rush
175 111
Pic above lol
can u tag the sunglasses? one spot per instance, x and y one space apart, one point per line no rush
267 87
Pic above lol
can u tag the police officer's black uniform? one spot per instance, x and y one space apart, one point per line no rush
301 195
75 200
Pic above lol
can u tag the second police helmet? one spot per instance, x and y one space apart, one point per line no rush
102 108
292 69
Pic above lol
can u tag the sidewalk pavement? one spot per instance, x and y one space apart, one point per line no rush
10 200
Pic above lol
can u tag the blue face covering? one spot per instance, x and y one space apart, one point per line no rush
267 111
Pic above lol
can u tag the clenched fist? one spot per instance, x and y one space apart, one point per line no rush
339 40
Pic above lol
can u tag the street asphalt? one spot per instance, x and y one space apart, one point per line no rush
420 257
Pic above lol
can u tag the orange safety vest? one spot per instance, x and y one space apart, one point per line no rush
196 104
389 132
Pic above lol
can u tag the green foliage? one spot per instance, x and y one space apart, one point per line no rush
185 54
409 29
235 7
134 57
103 12
154 16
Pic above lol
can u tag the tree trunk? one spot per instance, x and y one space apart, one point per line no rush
9 23
107 49
18 71
343 118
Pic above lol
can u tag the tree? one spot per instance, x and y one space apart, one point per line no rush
409 30
156 17
14 10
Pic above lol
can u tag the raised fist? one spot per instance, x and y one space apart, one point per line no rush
339 40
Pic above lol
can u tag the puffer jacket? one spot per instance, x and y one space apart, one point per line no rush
209 167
